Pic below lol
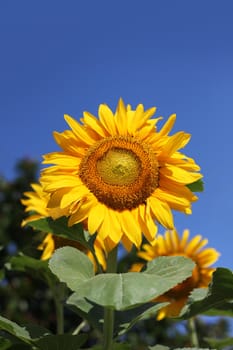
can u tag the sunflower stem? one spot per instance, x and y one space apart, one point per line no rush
193 332
108 312
59 295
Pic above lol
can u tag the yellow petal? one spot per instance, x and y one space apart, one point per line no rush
107 119
96 217
180 175
109 244
173 309
136 119
105 228
207 257
174 143
168 241
168 125
56 197
148 130
195 244
121 118
78 130
126 243
82 213
48 247
147 224
69 143
171 198
175 240
183 241
130 227
162 212
62 159
116 232
75 194
94 124
54 183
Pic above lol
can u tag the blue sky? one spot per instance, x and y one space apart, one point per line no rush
65 57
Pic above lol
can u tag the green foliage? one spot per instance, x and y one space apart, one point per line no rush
219 343
116 346
20 346
217 295
161 347
61 342
36 268
59 227
124 320
71 266
39 338
118 291
150 312
91 312
197 186
4 343
14 329
11 209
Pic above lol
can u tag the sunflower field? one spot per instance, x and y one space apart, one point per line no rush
90 254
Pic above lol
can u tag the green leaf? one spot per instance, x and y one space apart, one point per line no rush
71 266
2 274
121 346
219 292
20 346
4 343
197 186
225 309
36 331
115 346
91 312
14 329
124 320
162 347
169 266
60 228
61 342
35 267
119 291
150 312
27 334
219 343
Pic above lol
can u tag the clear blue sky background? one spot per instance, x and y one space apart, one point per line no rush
68 56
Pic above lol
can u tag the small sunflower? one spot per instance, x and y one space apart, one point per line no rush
120 174
172 245
36 202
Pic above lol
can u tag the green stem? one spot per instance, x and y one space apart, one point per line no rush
59 295
79 328
108 312
193 332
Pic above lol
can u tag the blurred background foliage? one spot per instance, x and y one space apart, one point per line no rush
26 299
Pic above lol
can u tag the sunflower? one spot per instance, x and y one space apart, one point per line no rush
120 174
36 202
172 245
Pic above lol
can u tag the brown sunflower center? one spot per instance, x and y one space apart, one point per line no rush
121 172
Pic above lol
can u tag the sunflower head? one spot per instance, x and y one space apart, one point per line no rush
172 245
120 173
